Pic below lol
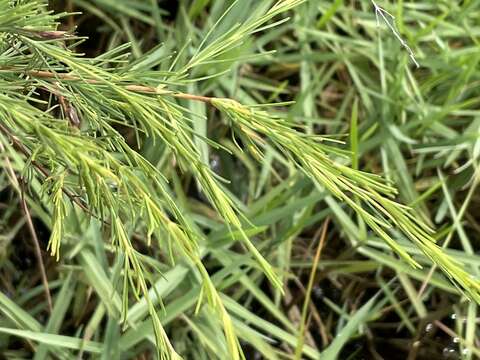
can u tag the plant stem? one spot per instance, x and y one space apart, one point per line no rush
135 88
31 228
19 145
311 280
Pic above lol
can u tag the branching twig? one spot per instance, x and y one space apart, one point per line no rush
388 18
19 146
69 110
135 88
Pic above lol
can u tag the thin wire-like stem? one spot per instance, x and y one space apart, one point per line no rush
31 228
133 87
19 146
382 13
38 251
311 280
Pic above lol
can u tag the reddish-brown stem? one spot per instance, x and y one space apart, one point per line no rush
73 197
19 146
38 251
31 228
135 88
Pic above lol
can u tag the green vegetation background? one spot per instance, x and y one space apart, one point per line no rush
218 179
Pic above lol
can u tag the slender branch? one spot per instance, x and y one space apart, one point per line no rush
135 88
382 13
311 281
22 148
73 197
31 228
69 111
38 252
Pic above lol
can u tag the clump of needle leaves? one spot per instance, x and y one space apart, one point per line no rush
77 133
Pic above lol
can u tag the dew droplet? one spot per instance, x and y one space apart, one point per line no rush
448 352
318 293
453 316
428 327
456 340
465 351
